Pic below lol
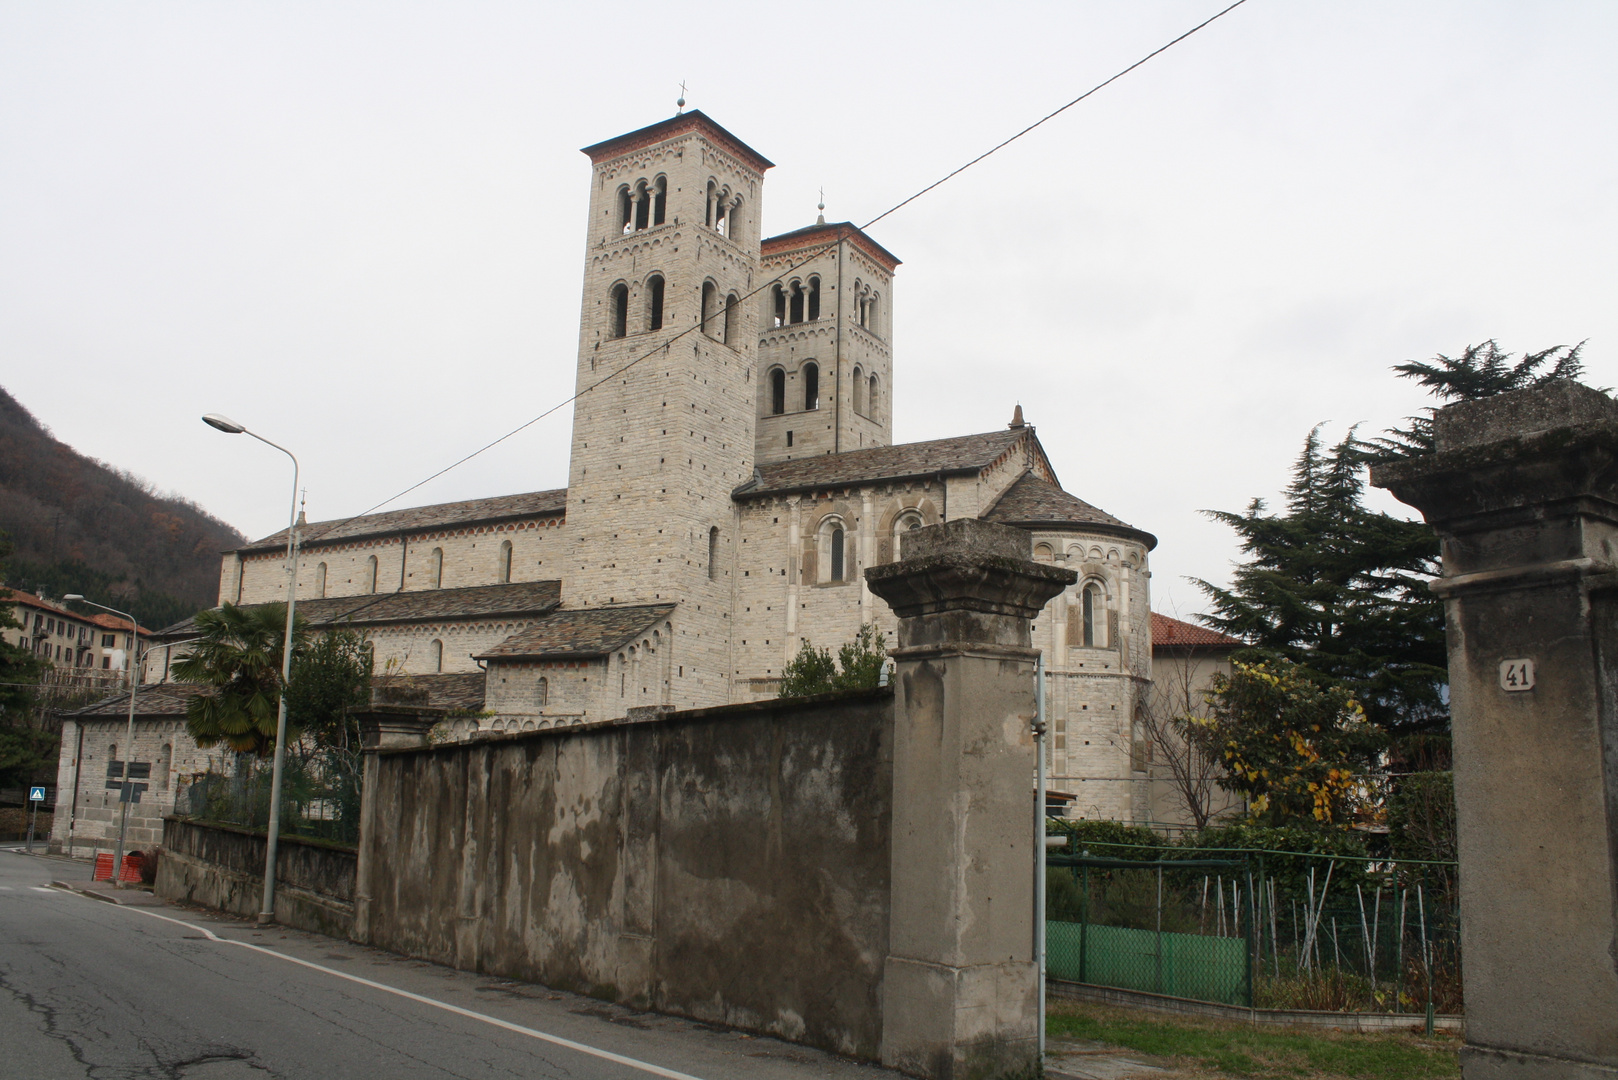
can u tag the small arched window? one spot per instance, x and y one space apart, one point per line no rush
713 553
859 391
160 771
795 303
733 318
320 580
778 304
370 574
837 555
811 385
660 201
618 311
654 302
871 322
1091 614
435 568
710 305
812 301
778 391
626 211
871 397
542 692
503 571
435 656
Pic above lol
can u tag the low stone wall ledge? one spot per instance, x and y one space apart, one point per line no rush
1346 1021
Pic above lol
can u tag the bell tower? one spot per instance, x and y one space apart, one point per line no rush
663 429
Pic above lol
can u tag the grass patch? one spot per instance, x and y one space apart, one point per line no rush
1263 1052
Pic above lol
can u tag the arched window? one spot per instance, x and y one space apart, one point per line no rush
871 397
778 304
778 391
160 771
713 553
871 322
660 201
812 301
907 522
710 305
733 318
837 555
654 302
795 306
859 391
542 692
1043 553
370 574
435 568
811 385
435 656
626 211
618 311
503 571
1092 613
320 580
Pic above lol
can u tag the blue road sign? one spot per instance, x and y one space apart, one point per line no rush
36 794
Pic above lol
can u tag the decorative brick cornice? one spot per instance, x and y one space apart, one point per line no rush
809 237
694 121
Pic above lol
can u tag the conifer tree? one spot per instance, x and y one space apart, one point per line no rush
1340 590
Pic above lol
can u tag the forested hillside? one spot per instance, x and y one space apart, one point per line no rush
85 527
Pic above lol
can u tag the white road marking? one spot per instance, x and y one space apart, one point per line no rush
5 888
41 888
533 1033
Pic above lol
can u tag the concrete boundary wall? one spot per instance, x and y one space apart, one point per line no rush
222 867
727 864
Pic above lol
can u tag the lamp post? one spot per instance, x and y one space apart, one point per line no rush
125 792
266 913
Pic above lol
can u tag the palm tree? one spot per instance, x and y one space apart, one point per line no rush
238 655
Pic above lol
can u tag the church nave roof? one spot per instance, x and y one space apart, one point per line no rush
419 518
962 454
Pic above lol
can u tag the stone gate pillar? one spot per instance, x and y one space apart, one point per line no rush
397 718
960 993
1524 494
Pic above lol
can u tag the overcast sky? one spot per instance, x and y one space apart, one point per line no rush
359 228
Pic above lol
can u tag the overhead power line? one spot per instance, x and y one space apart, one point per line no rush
814 254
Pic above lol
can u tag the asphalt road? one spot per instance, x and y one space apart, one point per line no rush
91 989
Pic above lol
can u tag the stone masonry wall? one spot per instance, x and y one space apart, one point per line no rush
87 813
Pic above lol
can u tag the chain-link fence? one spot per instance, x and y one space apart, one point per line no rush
1270 929
320 796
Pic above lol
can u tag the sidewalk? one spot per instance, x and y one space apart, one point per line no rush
129 895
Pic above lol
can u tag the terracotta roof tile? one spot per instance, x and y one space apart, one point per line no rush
580 632
1033 502
965 453
419 518
418 605
1172 633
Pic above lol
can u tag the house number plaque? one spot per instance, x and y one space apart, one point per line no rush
1516 675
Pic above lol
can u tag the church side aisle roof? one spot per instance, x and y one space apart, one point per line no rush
580 633
151 699
418 605
1034 503
418 518
962 454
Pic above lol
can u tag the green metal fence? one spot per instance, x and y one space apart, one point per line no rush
1113 928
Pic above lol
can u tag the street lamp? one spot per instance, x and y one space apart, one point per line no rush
125 793
266 913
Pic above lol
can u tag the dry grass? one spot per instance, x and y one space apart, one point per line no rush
1218 1048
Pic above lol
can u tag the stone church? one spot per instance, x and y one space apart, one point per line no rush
732 474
